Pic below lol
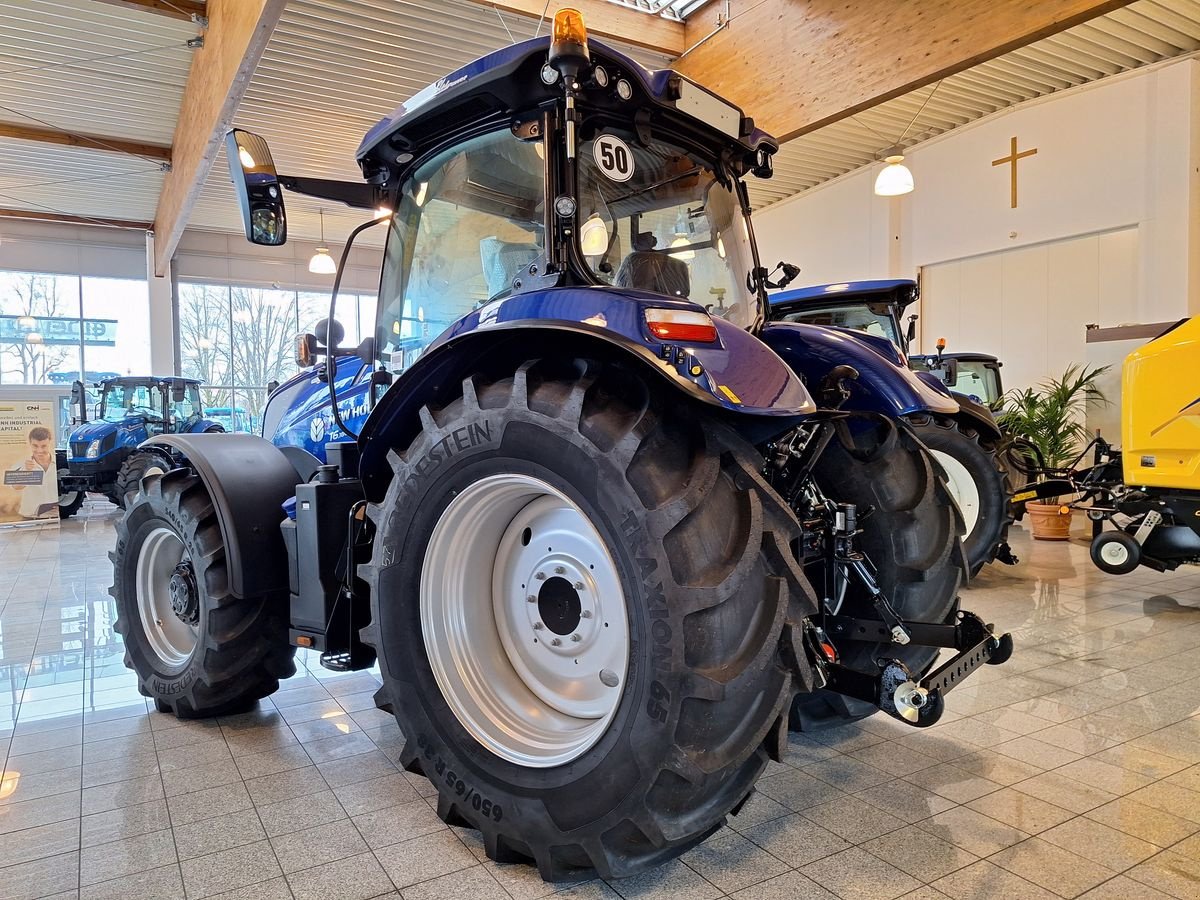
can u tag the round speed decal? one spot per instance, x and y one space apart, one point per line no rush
613 157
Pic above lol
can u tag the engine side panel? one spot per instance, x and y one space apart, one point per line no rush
1160 411
885 384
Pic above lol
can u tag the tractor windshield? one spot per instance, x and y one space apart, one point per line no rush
978 381
855 316
655 217
123 400
468 222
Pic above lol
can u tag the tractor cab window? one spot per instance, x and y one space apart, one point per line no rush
977 381
189 407
854 316
122 401
655 217
468 223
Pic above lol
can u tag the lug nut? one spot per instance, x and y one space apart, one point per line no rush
609 678
585 614
540 576
557 642
559 570
531 598
579 585
576 638
538 626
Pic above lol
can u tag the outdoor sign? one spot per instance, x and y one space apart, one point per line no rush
58 330
29 483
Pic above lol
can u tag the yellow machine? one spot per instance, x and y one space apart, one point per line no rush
1160 417
1155 507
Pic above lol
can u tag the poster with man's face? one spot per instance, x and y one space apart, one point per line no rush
28 475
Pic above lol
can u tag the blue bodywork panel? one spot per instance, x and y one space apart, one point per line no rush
130 432
885 385
298 413
846 290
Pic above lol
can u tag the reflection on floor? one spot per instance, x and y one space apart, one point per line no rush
1072 770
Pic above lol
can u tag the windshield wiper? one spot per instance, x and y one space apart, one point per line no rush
656 185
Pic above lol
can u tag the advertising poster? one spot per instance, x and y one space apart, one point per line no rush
29 489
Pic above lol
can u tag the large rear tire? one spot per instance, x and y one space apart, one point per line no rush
679 696
911 532
197 650
979 480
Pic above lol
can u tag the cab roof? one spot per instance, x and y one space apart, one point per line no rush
501 84
899 290
139 380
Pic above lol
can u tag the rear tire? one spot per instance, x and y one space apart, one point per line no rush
197 650
978 478
702 581
911 532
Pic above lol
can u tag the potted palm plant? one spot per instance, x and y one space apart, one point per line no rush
1050 417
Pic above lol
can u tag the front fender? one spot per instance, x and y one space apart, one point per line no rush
978 415
248 479
884 385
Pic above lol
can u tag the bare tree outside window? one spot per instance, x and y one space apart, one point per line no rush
26 355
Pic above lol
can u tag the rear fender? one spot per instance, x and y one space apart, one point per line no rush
248 479
977 416
884 385
740 380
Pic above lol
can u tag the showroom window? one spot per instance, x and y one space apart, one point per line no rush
237 339
55 329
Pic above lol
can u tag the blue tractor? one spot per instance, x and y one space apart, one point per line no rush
570 513
948 414
105 455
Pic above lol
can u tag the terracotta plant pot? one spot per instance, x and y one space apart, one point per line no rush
1050 521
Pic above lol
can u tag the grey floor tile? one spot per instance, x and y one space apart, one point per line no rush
856 873
795 840
789 886
905 800
285 785
798 790
1052 867
423 858
40 878
207 804
853 820
42 811
397 823
316 846
475 883
1020 810
919 854
986 880
38 842
378 793
300 813
163 883
1099 843
973 831
126 856
353 878
1171 873
1145 822
122 793
1124 888
218 833
238 867
362 767
732 862
271 889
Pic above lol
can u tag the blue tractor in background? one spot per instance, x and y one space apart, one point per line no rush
574 516
946 410
105 455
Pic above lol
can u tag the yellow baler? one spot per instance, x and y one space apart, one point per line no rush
1157 510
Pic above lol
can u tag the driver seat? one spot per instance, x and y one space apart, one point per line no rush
646 269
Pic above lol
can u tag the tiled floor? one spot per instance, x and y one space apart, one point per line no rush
1074 770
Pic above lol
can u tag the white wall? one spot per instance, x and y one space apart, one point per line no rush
1119 156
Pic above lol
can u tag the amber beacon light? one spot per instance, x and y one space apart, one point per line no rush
568 38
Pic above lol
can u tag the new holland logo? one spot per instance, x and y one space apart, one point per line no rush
1192 410
316 429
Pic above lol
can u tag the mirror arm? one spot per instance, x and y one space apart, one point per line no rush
359 195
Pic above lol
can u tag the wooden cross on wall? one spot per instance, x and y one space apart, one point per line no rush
1011 159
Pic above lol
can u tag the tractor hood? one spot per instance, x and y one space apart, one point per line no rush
91 431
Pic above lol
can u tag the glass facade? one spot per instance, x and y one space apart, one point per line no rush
238 339
55 329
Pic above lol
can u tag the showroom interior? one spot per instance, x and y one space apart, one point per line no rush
521 448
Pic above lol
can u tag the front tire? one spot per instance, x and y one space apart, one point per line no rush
197 650
69 502
137 466
979 480
911 532
681 695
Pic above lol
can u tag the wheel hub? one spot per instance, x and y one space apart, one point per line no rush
185 600
524 620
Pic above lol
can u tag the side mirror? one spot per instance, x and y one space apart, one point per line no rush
78 402
329 333
911 335
306 350
178 395
366 350
257 186
948 372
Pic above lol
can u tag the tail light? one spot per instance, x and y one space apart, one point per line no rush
682 325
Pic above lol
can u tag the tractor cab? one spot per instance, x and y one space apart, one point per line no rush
974 375
875 308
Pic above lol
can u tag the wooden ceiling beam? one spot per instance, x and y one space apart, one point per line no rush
797 65
237 34
156 152
605 20
67 219
187 10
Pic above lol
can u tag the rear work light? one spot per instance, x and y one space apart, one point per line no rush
681 325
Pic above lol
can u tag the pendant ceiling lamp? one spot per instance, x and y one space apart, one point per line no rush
322 263
894 178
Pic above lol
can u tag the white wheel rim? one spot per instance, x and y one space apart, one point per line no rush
535 681
962 488
171 638
1114 553
68 498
